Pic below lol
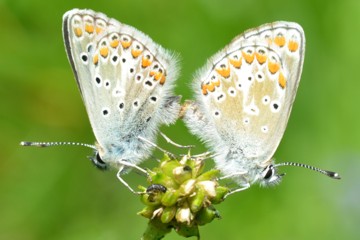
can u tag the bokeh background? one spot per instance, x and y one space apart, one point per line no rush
55 193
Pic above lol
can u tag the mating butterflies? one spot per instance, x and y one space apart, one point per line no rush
244 94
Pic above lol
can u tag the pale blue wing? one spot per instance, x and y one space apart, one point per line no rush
245 93
125 80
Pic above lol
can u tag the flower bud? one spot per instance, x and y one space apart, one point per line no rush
168 214
209 187
196 202
182 173
170 198
181 197
209 175
150 200
168 166
184 215
147 212
206 215
187 187
220 194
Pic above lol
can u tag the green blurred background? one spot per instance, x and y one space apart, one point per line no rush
55 193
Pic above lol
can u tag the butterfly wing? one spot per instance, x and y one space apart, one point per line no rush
125 80
244 95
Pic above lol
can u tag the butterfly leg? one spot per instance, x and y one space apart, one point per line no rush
201 156
156 146
168 140
244 186
127 164
118 175
237 190
124 164
232 175
204 155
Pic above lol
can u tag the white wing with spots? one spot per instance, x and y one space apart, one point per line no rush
125 80
244 95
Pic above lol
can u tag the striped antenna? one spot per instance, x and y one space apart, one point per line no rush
331 174
51 144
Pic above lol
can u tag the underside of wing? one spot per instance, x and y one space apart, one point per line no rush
245 93
125 80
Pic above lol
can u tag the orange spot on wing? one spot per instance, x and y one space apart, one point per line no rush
293 46
98 30
96 59
204 89
114 43
126 44
162 79
217 83
78 31
158 76
104 52
261 58
280 41
211 87
282 80
89 28
236 62
273 67
145 62
135 53
249 58
224 72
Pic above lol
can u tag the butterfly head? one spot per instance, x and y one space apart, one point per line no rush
270 176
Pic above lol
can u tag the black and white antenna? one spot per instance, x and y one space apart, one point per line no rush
51 144
331 174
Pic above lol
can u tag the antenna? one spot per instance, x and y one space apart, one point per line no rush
51 144
331 174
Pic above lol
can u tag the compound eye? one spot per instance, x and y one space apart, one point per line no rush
269 173
98 159
98 162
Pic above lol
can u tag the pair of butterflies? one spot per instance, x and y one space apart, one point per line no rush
243 95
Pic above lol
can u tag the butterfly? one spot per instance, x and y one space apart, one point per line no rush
126 82
243 99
